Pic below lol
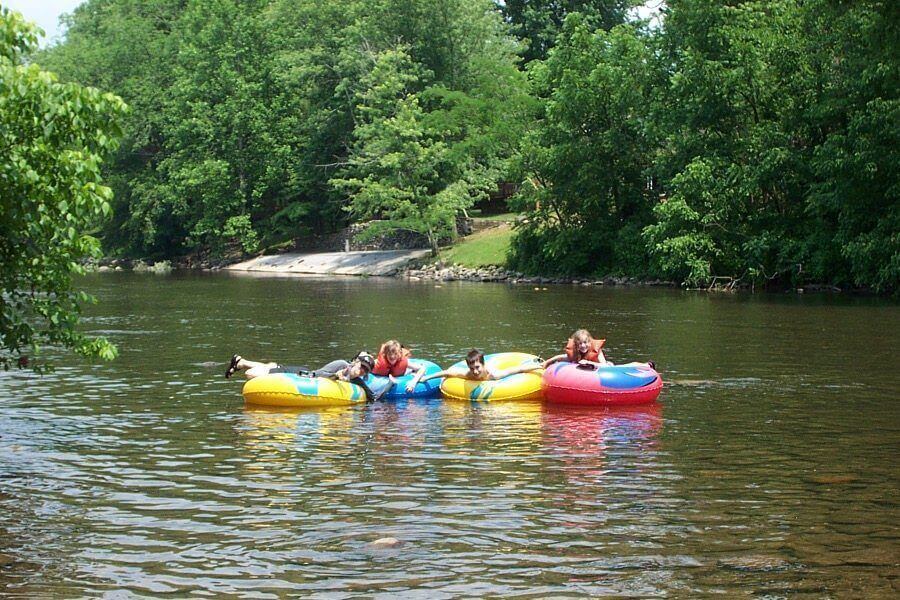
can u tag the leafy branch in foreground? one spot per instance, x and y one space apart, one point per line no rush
52 139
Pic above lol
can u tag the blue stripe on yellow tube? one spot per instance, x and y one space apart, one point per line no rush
520 387
286 389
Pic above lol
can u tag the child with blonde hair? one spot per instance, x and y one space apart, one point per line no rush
581 348
393 361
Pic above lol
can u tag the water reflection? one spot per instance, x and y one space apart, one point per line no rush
591 431
267 429
509 428
759 473
604 449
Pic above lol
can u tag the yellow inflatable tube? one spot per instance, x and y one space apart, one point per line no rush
287 389
519 387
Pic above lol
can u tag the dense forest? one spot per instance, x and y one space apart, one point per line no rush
749 139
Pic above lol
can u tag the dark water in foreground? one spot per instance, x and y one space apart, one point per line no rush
768 469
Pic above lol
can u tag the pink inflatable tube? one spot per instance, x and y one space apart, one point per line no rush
570 383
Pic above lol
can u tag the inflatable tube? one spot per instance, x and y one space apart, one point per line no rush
570 383
519 387
427 389
287 389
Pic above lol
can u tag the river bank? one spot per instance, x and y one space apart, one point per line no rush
476 257
411 265
442 272
415 265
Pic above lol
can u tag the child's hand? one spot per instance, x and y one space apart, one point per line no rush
410 386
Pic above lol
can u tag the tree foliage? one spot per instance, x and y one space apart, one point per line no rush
742 138
53 137
854 194
257 118
757 140
586 161
734 168
539 22
433 137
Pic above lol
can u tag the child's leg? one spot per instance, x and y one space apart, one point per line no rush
331 368
253 369
244 364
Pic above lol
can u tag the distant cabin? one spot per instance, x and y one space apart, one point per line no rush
495 204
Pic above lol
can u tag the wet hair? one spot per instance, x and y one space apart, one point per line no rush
582 334
392 346
475 356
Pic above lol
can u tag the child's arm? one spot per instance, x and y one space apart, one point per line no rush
601 360
554 359
516 370
445 373
415 380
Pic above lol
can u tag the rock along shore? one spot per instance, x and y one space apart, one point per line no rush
396 264
402 264
432 272
441 272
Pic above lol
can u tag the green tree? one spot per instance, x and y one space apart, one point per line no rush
585 162
780 122
249 109
539 22
221 159
731 164
52 140
854 121
437 121
395 169
318 61
770 128
130 47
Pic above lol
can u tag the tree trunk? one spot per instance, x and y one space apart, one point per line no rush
432 241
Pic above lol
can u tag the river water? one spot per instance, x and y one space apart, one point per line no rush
767 469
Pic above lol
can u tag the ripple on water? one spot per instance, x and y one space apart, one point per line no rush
148 476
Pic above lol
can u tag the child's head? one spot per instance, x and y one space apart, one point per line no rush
361 366
581 340
475 362
392 351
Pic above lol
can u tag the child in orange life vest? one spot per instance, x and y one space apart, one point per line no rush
393 361
581 348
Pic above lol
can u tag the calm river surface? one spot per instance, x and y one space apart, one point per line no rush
768 468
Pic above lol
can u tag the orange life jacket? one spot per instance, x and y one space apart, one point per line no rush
398 369
593 353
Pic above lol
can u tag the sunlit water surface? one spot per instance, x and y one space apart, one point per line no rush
768 468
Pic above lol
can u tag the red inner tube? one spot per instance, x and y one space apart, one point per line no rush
569 383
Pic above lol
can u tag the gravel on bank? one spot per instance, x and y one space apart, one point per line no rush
440 272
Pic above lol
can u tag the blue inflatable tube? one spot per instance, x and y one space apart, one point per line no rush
428 389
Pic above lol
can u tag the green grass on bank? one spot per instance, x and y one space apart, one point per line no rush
487 247
508 217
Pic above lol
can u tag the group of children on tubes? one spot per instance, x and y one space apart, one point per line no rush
393 361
